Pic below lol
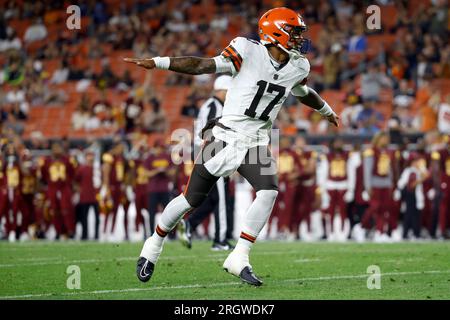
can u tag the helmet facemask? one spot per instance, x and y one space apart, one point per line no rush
296 41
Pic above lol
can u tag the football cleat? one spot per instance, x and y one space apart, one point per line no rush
249 277
184 233
222 246
239 266
144 269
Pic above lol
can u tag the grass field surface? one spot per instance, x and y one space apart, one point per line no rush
38 270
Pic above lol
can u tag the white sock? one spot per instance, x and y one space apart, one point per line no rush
259 212
152 248
243 246
256 217
173 213
170 217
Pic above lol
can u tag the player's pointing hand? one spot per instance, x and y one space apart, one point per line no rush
334 119
147 63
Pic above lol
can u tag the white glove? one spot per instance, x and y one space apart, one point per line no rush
365 195
349 196
130 193
397 195
431 194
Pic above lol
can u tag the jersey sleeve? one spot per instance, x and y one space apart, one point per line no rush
236 52
300 89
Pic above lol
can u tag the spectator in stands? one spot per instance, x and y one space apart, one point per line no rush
332 67
92 122
35 32
37 141
11 41
11 10
81 115
61 74
428 114
39 93
95 51
19 105
351 111
125 82
369 119
403 95
190 108
154 118
371 83
99 14
132 108
13 124
358 42
106 78
424 69
14 73
444 116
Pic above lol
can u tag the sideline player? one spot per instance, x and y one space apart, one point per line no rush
264 73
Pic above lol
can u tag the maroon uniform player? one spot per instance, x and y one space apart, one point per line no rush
335 183
287 186
378 183
28 190
441 159
88 189
114 176
12 196
58 173
161 172
140 180
305 195
3 189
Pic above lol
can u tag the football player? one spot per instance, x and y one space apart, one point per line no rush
441 170
336 181
379 182
57 173
114 175
264 73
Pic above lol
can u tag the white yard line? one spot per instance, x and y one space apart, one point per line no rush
214 285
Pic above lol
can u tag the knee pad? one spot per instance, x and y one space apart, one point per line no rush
267 196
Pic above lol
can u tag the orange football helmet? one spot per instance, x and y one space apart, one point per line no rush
283 27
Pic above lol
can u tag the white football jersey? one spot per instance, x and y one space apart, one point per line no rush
258 88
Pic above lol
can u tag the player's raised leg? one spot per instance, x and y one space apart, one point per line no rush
262 176
199 185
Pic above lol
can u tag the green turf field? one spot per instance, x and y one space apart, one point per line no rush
289 271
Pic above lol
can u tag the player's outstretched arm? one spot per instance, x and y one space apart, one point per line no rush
312 99
187 65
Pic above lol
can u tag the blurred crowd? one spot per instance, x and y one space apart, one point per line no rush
341 59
